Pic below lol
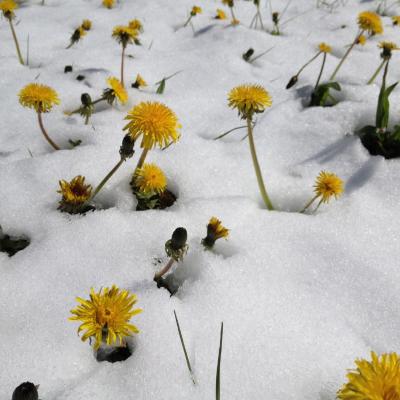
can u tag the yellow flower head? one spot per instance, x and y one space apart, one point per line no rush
378 379
118 90
150 179
370 22
75 192
40 97
249 99
108 3
388 46
86 24
124 34
140 82
136 25
8 7
106 315
362 39
220 14
195 10
215 231
328 185
157 124
396 20
324 48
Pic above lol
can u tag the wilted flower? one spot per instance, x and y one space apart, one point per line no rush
324 48
74 195
42 98
215 231
106 315
249 99
150 179
77 35
155 122
378 379
370 22
139 82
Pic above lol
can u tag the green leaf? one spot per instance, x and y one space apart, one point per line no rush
383 108
161 87
218 378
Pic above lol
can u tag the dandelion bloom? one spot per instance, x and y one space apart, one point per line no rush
75 192
361 40
106 314
117 89
40 97
220 14
8 7
124 34
324 48
136 25
327 185
196 10
150 179
108 3
370 22
378 379
249 99
157 124
388 46
86 24
217 229
139 82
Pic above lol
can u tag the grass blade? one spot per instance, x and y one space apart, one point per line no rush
184 349
218 378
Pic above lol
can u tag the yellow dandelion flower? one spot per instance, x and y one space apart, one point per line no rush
215 231
220 14
136 25
8 7
157 124
396 20
324 48
327 185
108 3
75 192
370 22
118 90
150 179
388 46
86 24
249 99
362 39
40 97
139 82
378 379
106 315
124 34
196 10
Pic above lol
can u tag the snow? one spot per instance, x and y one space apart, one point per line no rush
301 296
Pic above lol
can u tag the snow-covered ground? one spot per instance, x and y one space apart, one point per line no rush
301 296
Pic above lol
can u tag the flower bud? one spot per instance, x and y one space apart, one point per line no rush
86 99
127 147
292 82
246 56
26 391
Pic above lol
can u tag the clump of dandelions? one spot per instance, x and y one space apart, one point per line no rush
249 100
155 123
106 316
41 98
215 231
327 185
124 35
378 379
368 22
74 195
7 7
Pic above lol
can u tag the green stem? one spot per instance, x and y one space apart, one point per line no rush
122 65
232 14
167 267
376 73
320 72
308 204
16 41
346 55
106 178
307 64
141 159
47 137
257 169
218 375
187 21
92 104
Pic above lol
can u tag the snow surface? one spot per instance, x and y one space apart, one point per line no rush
301 296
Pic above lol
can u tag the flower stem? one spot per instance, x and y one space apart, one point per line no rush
47 137
141 159
346 55
106 178
80 108
187 21
376 73
122 65
260 181
159 274
320 72
307 63
16 41
232 14
308 204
